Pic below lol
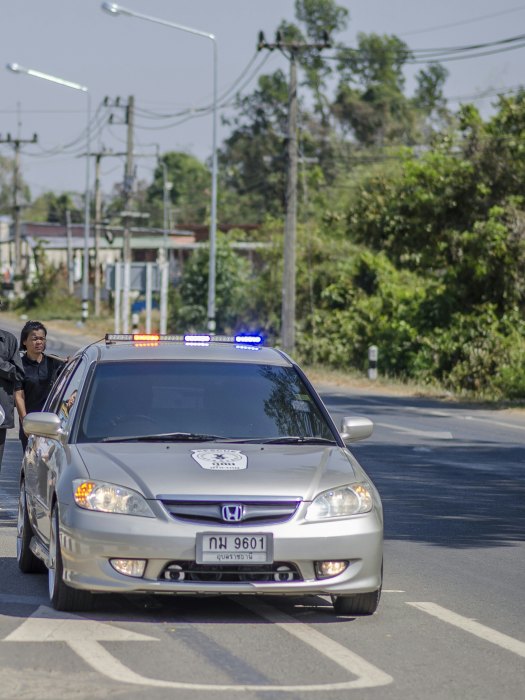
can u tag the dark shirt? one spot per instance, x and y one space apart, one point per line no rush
38 380
11 373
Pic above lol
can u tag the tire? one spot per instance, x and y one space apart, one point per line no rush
62 596
361 604
28 562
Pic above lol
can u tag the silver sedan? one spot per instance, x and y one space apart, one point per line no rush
183 466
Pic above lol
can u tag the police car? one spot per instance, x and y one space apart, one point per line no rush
196 465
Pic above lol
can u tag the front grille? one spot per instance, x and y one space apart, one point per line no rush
257 512
279 572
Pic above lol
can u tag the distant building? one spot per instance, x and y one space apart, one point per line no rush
66 248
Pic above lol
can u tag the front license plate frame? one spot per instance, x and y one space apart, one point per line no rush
225 548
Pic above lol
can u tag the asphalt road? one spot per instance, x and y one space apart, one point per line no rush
450 623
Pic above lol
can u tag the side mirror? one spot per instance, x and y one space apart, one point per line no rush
42 424
355 428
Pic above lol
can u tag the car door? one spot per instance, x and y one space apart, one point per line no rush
47 457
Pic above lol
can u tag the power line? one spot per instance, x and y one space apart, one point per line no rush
469 47
446 59
485 94
450 53
226 93
195 112
518 8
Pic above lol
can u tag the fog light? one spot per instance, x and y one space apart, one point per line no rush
129 567
283 573
326 569
174 572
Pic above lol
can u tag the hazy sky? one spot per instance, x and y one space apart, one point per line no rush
169 71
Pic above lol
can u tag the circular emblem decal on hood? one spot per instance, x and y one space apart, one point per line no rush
220 459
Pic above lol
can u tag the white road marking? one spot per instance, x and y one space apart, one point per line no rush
492 422
476 628
432 434
81 636
369 676
48 625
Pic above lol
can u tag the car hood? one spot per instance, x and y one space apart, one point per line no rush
299 471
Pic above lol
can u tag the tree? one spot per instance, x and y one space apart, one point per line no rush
51 208
321 20
232 286
189 192
371 102
6 187
253 156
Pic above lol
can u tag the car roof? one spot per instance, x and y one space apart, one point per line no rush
105 351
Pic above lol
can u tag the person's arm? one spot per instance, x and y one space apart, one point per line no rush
19 367
12 367
20 403
7 369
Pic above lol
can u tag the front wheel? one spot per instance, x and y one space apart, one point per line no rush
62 596
28 562
361 604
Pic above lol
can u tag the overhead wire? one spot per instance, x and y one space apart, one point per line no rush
194 112
446 59
226 93
96 125
448 53
518 8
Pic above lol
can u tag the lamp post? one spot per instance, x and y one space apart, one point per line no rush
114 9
16 68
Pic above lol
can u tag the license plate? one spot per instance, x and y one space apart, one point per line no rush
245 548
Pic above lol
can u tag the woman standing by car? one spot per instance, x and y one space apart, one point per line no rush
41 370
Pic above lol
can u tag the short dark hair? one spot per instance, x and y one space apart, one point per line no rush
29 328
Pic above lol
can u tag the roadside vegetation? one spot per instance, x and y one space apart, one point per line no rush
411 221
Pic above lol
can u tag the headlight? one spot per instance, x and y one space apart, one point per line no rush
109 498
341 502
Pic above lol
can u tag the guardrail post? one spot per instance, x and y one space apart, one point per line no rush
372 362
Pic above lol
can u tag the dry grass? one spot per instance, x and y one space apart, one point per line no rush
382 385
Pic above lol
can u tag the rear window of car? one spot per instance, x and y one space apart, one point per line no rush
228 399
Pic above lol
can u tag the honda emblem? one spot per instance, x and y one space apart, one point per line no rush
232 513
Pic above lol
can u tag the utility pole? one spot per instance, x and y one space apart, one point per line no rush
127 209
290 226
129 175
98 216
70 261
16 143
290 50
98 212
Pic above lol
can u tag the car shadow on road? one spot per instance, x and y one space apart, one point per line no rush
457 493
453 495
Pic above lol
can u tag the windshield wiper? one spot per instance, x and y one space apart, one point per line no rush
287 440
165 437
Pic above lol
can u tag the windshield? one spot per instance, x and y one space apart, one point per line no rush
221 400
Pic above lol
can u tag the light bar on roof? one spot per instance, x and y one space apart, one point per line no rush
250 339
193 338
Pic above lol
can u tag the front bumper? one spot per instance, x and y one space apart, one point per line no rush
89 540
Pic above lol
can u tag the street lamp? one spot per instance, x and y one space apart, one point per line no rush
16 68
114 9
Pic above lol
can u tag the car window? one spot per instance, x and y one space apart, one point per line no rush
53 400
236 400
69 400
